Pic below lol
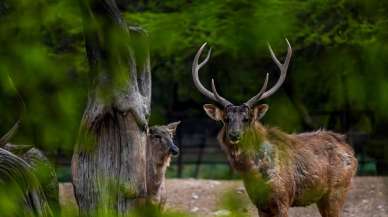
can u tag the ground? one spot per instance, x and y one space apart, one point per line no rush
204 198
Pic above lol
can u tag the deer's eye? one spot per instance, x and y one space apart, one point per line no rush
246 119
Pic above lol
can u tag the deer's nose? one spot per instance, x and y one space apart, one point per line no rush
174 150
234 136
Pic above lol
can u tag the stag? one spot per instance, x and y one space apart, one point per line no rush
160 149
280 170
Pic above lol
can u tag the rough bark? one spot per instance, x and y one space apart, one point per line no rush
21 187
109 159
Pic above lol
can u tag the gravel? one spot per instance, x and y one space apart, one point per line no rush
204 198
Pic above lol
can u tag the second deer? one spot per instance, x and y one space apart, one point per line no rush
160 149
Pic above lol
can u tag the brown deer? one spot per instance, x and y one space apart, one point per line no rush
160 148
280 170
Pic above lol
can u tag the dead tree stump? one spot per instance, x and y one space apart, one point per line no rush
109 160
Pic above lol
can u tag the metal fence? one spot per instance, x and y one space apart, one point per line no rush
199 146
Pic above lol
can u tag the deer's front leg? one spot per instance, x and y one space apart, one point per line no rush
274 214
273 210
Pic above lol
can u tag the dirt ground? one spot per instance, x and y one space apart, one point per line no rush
367 198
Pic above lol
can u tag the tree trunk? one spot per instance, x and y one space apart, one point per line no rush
109 160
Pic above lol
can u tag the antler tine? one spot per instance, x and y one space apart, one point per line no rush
283 70
256 98
195 69
206 59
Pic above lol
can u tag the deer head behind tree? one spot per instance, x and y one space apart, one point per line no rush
161 140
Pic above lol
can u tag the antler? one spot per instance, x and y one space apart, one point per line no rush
256 98
283 72
196 67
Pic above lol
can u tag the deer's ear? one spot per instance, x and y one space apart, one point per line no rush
259 111
171 127
213 111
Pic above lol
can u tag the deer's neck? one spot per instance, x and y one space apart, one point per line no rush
258 149
156 170
261 155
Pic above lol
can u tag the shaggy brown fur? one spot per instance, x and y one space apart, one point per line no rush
160 148
294 170
280 170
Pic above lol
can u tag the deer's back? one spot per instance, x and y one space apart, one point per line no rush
323 162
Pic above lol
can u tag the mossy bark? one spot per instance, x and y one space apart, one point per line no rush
109 160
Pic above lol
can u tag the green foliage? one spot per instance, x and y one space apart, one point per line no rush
338 50
251 141
234 205
339 60
339 63
11 201
43 53
257 187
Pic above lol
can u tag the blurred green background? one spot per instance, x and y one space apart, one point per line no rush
337 79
